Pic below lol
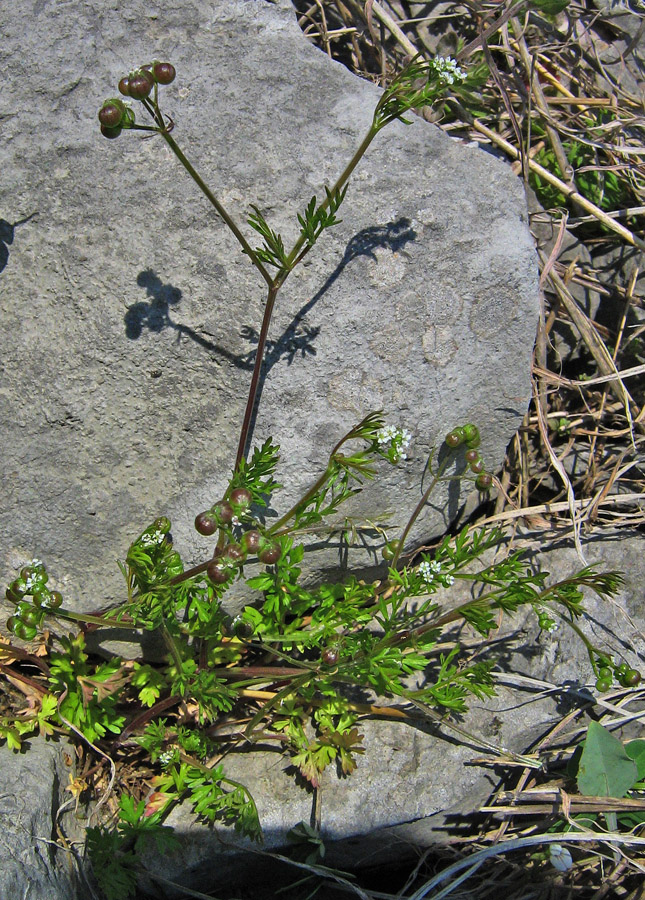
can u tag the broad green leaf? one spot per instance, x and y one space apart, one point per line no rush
605 769
636 751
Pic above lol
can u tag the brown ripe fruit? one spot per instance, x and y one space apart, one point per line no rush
241 498
234 552
251 541
330 656
270 554
164 73
140 84
217 573
205 523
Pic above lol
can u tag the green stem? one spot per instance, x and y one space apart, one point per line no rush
172 646
313 490
246 247
87 618
338 186
417 512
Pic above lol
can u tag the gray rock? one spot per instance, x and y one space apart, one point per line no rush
130 314
32 789
413 782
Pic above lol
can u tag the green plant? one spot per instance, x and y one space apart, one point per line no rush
285 663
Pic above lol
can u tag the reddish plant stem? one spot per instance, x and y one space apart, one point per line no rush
257 368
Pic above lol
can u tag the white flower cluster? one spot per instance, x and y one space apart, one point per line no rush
431 571
166 757
150 540
448 70
394 441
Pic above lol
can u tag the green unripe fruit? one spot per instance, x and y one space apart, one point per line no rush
472 455
54 600
18 586
32 616
243 630
605 672
21 629
163 73
631 678
603 684
471 434
40 594
477 466
484 481
390 550
622 669
453 439
12 596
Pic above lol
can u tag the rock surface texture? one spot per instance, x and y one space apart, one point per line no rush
130 316
32 789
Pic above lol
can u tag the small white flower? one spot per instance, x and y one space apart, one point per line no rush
448 580
448 70
435 566
425 571
394 442
166 757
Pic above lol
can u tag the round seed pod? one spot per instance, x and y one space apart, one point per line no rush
235 553
163 72
124 86
240 499
471 434
205 523
330 656
223 512
484 481
217 572
111 132
140 84
111 113
251 541
270 554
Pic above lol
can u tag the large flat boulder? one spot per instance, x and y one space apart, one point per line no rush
130 316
